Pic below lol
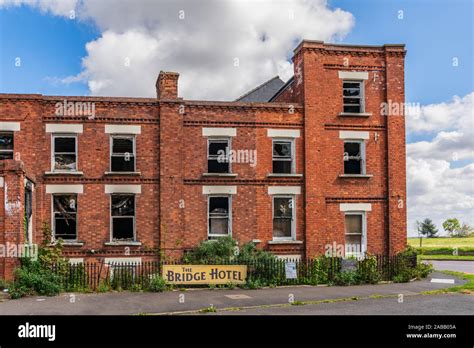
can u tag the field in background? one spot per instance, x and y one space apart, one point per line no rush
444 248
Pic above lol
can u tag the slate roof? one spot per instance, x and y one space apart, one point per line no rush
262 93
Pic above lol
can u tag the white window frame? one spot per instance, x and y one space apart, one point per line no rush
229 228
361 96
229 145
293 153
364 232
12 151
53 152
53 218
293 218
112 218
111 146
361 143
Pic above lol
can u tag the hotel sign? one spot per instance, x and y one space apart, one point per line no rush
204 274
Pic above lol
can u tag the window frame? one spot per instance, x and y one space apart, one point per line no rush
112 218
361 143
361 96
12 151
53 218
293 218
293 153
134 148
229 216
53 152
363 247
229 145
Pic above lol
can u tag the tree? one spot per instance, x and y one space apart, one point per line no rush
465 230
427 228
452 226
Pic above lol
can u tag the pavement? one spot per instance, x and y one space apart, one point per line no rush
133 303
457 266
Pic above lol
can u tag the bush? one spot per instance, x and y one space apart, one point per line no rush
31 277
368 270
406 271
157 284
346 278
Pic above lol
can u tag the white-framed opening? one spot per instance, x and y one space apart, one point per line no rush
283 156
354 157
216 162
64 154
219 216
126 159
353 96
123 223
283 217
355 233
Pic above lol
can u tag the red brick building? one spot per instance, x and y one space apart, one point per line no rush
294 167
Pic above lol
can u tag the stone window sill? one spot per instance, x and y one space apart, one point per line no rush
285 175
283 241
64 173
224 175
355 114
128 243
356 176
69 244
123 173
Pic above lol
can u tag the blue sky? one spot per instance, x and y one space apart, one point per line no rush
90 49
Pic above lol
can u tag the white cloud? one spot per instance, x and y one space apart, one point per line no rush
202 40
435 188
56 7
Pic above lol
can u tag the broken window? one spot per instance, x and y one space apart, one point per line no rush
282 157
353 96
283 217
354 157
354 227
123 154
219 216
123 217
6 145
65 216
218 156
65 153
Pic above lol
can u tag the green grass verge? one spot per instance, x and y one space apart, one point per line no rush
443 242
467 288
446 257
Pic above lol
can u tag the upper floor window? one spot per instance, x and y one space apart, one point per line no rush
354 157
64 153
65 216
123 153
123 217
353 93
219 215
283 156
6 145
283 217
218 156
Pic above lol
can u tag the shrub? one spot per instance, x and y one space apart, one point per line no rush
157 284
346 278
31 277
368 270
405 270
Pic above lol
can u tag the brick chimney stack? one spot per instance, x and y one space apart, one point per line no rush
167 85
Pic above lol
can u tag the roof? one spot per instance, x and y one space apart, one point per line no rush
262 93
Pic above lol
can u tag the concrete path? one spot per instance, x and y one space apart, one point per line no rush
457 266
130 303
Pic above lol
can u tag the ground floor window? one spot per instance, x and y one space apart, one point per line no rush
219 216
283 217
123 217
65 216
354 233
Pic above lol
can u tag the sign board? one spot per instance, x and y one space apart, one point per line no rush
290 270
348 265
204 274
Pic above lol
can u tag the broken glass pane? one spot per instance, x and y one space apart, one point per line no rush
282 149
123 164
65 162
65 145
283 207
123 205
122 145
122 228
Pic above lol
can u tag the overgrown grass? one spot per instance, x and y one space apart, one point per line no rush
446 257
443 242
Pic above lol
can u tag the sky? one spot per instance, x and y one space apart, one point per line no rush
222 48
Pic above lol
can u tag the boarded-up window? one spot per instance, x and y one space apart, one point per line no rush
123 217
65 216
